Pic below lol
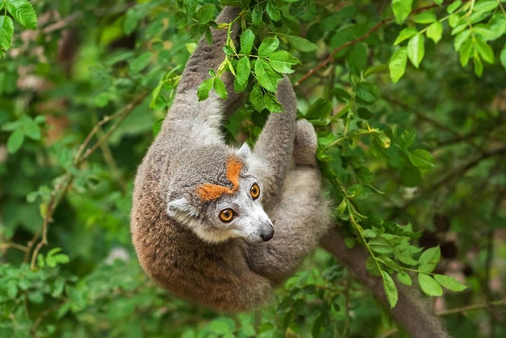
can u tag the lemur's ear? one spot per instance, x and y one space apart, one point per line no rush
244 151
181 205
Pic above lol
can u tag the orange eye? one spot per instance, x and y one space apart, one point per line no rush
227 215
255 191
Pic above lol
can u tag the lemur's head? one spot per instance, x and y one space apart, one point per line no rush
213 193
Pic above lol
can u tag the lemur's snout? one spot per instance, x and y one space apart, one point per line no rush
267 233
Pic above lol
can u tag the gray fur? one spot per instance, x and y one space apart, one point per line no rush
179 240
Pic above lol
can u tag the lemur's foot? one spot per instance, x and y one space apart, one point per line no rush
305 144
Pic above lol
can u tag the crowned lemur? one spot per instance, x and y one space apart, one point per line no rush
218 225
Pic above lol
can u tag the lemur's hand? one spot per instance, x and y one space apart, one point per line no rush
305 144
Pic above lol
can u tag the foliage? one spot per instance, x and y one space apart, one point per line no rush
413 157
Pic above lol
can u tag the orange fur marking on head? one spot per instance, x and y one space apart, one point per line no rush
210 192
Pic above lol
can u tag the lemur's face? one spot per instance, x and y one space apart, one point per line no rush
217 212
237 215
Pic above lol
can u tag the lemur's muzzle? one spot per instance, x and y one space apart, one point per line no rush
267 232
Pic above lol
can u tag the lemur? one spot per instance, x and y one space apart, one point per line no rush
218 225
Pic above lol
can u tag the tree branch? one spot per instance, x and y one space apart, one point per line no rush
412 312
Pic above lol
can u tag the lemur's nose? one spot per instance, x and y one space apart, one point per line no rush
267 233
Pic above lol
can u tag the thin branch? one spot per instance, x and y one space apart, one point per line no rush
421 116
383 22
466 167
62 187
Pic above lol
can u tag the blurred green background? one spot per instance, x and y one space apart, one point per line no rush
89 59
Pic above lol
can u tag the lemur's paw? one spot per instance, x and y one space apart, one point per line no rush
305 144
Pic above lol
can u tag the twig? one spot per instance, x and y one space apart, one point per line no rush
363 37
421 116
347 306
466 167
62 187
6 246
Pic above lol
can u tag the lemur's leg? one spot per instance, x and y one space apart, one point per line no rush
273 150
300 217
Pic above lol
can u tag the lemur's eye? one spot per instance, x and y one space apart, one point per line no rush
255 191
227 215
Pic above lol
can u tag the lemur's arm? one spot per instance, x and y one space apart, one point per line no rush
273 150
207 56
187 115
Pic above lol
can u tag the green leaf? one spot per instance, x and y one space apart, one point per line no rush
205 14
204 88
397 64
31 129
6 32
266 76
416 49
247 40
282 61
243 70
157 126
485 51
15 141
485 6
268 46
257 98
320 109
453 6
301 44
381 245
478 65
23 12
453 20
367 91
257 15
382 139
132 18
503 56
407 138
421 159
272 9
429 259
425 17
406 33
450 283
404 278
401 9
460 39
220 88
272 104
465 52
435 31
375 70
390 289
222 325
141 62
371 266
429 285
